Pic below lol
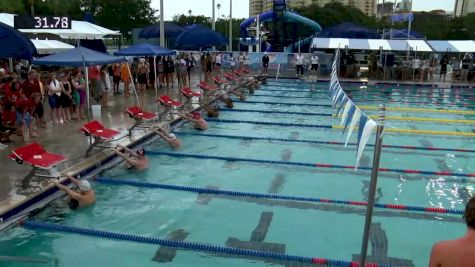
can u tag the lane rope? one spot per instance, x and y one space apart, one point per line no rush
421 110
211 191
451 104
329 142
388 130
395 118
202 247
304 164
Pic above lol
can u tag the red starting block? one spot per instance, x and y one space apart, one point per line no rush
36 156
100 134
169 104
139 116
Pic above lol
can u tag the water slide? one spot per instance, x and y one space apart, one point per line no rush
285 17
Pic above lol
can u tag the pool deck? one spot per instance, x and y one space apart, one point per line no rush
68 141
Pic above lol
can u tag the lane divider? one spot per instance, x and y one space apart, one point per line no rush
424 110
394 118
421 110
211 191
303 164
452 104
329 142
202 247
389 130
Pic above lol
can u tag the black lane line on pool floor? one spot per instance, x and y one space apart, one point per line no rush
167 254
379 249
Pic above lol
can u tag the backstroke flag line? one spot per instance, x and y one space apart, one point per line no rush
352 117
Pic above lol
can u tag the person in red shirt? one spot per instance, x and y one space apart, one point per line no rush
94 82
26 111
31 86
5 130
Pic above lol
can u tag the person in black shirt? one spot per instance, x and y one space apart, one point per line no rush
443 67
265 63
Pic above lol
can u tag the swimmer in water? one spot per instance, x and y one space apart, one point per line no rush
195 117
85 197
213 112
136 159
170 138
457 252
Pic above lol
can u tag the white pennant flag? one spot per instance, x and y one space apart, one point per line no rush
368 129
335 96
354 121
345 112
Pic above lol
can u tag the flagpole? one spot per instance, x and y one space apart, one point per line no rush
374 181
409 25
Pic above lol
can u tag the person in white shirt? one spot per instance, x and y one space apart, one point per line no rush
241 59
218 61
314 60
54 93
300 62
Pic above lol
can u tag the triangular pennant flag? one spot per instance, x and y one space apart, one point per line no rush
362 123
341 105
349 116
368 129
338 92
355 119
345 112
339 99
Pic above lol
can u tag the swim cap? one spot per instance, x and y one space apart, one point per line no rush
141 151
172 136
84 186
196 115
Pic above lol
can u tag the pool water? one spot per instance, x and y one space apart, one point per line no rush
314 230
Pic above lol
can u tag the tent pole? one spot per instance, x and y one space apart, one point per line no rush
10 64
162 25
86 73
155 83
133 84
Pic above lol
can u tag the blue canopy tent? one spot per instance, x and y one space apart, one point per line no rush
153 31
81 57
349 30
13 44
146 50
197 36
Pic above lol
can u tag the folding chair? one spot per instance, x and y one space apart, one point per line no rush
140 117
169 105
99 133
189 94
36 156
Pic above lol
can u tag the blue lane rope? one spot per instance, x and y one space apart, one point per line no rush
54 227
282 103
277 112
271 123
328 142
304 164
201 190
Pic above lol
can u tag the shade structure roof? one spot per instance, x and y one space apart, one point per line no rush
349 30
46 47
14 44
465 46
78 57
371 44
198 36
79 29
144 50
153 31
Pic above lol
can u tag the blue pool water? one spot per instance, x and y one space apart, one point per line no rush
314 230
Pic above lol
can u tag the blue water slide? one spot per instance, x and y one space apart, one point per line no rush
266 16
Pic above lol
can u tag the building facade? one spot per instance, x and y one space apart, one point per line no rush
258 6
464 7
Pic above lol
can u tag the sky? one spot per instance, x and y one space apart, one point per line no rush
241 7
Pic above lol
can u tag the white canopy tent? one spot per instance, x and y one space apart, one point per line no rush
46 47
466 46
79 29
371 44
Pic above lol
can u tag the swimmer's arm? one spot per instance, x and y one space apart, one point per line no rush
73 180
125 157
435 256
66 189
128 150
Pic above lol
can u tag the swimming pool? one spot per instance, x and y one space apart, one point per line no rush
297 228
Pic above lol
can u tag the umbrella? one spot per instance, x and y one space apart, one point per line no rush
153 31
13 44
197 36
